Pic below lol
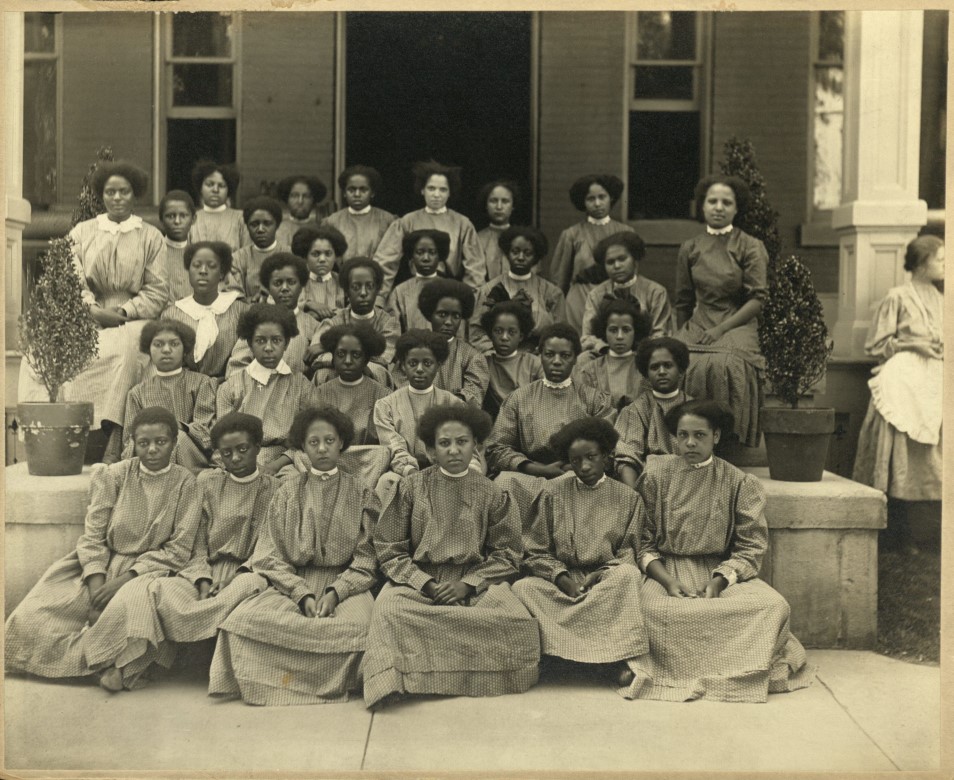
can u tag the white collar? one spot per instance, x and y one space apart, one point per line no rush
176 372
132 222
271 299
719 231
599 482
426 278
266 249
297 221
518 278
439 211
414 390
245 480
703 464
176 244
198 310
558 385
150 473
446 473
501 228
323 474
368 316
626 285
507 357
604 221
666 396
359 212
216 209
620 355
355 383
324 278
260 374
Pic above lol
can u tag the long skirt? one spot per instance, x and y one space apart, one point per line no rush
603 626
489 647
269 653
737 647
46 634
523 490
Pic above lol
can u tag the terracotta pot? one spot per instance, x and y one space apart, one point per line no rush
55 436
796 442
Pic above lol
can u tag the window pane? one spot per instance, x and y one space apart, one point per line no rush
39 33
665 35
831 36
201 35
202 85
39 132
667 82
827 136
664 163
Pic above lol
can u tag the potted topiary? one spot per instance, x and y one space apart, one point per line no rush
58 339
794 341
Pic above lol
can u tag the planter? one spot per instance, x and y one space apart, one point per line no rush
796 442
55 436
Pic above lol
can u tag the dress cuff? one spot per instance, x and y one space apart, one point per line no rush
299 593
478 583
728 572
647 558
341 589
92 569
419 579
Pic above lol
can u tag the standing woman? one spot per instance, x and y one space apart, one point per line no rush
498 199
899 448
720 286
362 224
216 186
121 263
300 194
572 267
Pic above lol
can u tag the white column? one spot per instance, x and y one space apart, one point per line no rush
880 211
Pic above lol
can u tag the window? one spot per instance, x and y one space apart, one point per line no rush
667 104
827 111
41 47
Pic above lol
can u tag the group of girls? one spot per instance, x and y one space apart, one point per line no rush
387 436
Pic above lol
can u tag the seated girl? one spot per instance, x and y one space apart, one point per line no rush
447 621
301 640
620 255
262 217
518 449
189 395
216 186
211 313
300 195
622 325
423 251
523 247
716 631
141 522
267 388
508 323
642 425
581 551
191 606
498 200
176 213
362 224
321 248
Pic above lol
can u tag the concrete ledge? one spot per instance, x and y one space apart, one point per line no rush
45 500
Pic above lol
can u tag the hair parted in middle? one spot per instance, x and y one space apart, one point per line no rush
594 429
477 420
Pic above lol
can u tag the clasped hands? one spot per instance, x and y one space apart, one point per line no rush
566 584
323 607
448 593
712 590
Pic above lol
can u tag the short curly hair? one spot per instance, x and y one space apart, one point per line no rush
560 330
263 203
219 248
507 184
304 238
308 417
154 327
315 185
920 250
432 293
479 422
423 171
594 429
523 314
371 174
678 350
349 265
372 343
627 239
579 189
440 238
642 322
418 338
739 188
282 260
138 179
176 196
238 422
537 240
718 416
155 415
262 313
205 168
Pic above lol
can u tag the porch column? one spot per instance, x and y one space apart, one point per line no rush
880 211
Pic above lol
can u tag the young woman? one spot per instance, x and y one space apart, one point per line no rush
321 248
177 213
508 323
424 251
716 631
301 640
362 224
141 523
447 622
498 199
262 217
301 195
215 187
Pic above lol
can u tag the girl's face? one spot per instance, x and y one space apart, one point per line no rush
436 192
663 374
153 445
620 333
358 193
522 256
500 206
587 460
285 287
597 202
321 257
166 351
557 358
322 445
268 344
261 227
118 198
719 207
349 359
300 200
932 269
205 272
177 218
695 438
505 334
238 452
447 317
420 367
425 257
214 191
453 448
620 265
362 290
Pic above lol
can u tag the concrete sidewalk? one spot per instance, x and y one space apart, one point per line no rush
864 713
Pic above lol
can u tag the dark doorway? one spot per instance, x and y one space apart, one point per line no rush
190 140
452 86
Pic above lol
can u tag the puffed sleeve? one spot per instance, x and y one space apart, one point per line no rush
175 552
882 340
226 399
503 547
79 262
749 534
203 414
754 270
199 567
271 557
560 267
392 540
388 255
479 338
134 405
660 311
540 558
472 255
476 379
648 486
360 576
151 298
555 303
91 548
590 341
685 299
503 444
401 458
